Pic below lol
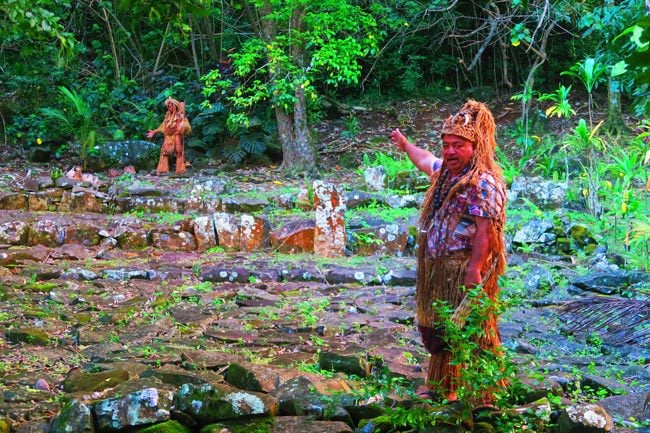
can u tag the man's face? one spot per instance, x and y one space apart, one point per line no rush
457 153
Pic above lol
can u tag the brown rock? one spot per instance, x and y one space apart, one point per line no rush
182 241
46 232
203 229
14 232
82 233
227 227
43 201
81 200
13 201
254 233
295 237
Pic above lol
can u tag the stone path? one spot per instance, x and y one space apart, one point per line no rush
102 300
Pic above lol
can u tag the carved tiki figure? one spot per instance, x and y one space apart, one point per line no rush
175 127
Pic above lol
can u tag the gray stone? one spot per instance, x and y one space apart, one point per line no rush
14 232
538 278
543 193
606 282
122 274
405 201
213 403
535 232
74 417
306 424
146 406
220 274
139 153
243 204
375 178
356 199
339 275
584 418
399 277
627 407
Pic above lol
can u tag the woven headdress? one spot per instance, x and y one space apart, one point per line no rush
475 123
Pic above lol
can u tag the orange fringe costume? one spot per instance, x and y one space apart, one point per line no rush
175 127
441 278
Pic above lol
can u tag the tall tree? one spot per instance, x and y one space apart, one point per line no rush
298 43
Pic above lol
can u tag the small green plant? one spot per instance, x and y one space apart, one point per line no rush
483 370
364 239
205 286
590 72
352 127
78 120
585 146
561 106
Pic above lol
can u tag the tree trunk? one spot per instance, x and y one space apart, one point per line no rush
298 155
615 124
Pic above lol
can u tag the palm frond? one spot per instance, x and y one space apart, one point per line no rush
617 321
59 116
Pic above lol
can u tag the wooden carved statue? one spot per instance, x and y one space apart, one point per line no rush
175 127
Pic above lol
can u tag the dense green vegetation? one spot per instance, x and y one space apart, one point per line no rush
256 74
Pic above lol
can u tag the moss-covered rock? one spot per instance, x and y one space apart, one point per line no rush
78 380
74 417
237 375
214 403
35 336
262 425
165 427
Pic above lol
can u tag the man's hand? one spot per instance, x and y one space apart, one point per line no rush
151 133
399 139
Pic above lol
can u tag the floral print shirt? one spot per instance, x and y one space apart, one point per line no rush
447 233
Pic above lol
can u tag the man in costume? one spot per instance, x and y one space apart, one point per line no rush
175 127
461 241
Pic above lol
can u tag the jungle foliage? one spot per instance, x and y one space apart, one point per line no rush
256 74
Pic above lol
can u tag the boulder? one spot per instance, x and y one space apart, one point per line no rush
14 232
375 178
295 237
204 232
243 204
13 201
543 193
584 418
213 403
78 380
74 417
47 232
329 233
226 226
143 407
254 233
141 154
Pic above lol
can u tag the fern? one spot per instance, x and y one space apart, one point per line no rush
234 154
253 144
